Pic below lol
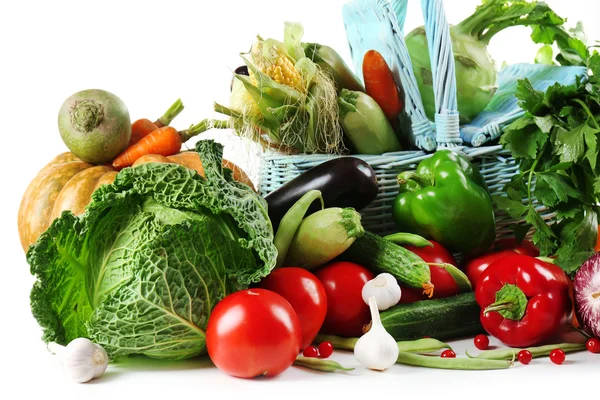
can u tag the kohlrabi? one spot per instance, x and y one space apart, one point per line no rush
475 69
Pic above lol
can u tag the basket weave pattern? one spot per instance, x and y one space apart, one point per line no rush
495 164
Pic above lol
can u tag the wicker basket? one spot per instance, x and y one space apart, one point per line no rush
382 31
496 166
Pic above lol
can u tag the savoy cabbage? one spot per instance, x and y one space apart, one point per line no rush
140 271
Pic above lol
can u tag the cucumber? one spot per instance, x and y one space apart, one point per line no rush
381 255
442 319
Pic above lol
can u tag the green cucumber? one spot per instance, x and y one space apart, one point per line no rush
381 255
443 319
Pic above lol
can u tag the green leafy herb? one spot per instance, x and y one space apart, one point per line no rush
140 271
556 146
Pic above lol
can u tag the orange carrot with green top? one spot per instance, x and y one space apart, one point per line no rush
144 126
381 86
165 141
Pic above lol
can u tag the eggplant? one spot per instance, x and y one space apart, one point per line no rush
343 182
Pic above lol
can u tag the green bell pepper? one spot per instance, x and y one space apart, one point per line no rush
446 199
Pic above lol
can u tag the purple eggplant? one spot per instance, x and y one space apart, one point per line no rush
343 182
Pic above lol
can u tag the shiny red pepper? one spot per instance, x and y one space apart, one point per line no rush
524 301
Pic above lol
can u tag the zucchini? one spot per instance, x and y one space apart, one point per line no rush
381 255
443 319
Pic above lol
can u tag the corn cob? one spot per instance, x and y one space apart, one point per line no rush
278 66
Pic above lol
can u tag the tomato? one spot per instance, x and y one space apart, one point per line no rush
347 313
525 247
436 254
253 332
475 267
305 293
444 283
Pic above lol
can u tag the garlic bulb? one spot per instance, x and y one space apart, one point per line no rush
83 360
376 349
385 289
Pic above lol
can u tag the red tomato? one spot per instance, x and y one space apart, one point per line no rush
347 313
525 247
436 254
252 333
444 283
475 267
305 293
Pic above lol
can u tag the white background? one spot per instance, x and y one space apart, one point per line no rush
149 54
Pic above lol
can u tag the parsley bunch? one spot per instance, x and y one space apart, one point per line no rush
556 147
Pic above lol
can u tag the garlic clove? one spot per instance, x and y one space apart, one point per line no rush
384 287
376 349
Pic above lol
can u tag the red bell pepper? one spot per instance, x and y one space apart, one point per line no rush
524 301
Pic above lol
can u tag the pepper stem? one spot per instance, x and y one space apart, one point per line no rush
499 306
405 177
511 303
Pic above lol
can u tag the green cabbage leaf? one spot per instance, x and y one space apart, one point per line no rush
140 271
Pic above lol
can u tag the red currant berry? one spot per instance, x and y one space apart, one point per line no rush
557 356
593 345
325 349
524 357
481 342
311 351
448 354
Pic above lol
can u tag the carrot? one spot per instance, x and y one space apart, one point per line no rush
381 86
165 141
141 128
144 126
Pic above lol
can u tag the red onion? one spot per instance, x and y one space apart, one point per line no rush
587 295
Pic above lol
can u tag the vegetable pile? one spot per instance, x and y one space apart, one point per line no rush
141 248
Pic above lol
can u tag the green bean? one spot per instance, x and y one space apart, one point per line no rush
540 351
339 343
319 364
410 239
418 360
291 221
426 345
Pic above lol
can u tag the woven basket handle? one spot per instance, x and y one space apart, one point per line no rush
373 25
443 73
378 25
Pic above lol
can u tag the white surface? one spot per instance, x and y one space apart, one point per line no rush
150 54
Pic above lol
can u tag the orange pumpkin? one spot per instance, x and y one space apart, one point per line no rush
67 183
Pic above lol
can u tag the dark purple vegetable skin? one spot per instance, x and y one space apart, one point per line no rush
343 182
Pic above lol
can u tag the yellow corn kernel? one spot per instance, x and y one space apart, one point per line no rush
280 68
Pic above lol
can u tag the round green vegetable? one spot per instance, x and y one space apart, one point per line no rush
475 70
95 125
